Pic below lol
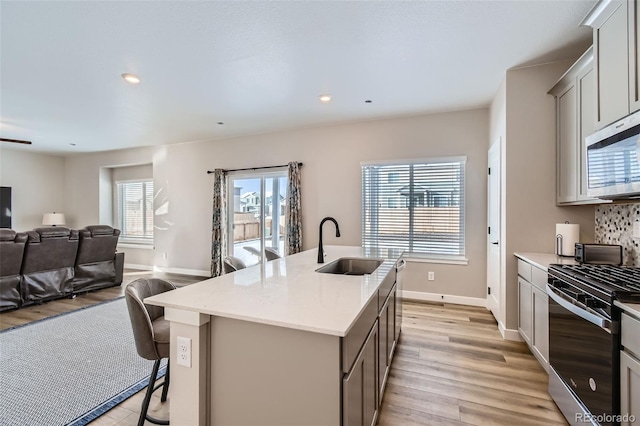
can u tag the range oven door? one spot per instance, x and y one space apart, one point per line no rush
581 352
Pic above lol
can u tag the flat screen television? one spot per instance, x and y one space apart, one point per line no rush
5 207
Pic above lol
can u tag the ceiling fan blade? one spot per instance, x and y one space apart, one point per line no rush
15 141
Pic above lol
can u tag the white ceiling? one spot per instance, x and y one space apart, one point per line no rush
257 66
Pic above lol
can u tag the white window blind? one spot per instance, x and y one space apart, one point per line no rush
135 211
417 207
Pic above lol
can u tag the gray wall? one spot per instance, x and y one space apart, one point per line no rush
331 185
37 182
523 118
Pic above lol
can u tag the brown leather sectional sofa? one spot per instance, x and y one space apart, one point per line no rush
55 262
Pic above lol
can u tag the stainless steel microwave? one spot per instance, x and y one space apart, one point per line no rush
613 170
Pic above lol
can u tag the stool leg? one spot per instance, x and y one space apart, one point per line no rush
147 396
165 387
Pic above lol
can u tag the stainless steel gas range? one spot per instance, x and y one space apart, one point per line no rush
584 339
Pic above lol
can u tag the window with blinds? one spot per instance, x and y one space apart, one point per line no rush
134 206
417 207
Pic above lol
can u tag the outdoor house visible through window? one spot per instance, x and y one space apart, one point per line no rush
134 211
415 206
256 214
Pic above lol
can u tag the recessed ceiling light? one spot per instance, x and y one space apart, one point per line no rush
72 144
131 78
220 123
325 98
368 101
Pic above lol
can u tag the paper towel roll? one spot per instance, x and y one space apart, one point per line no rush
567 235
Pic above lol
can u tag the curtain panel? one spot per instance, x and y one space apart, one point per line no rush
219 222
294 211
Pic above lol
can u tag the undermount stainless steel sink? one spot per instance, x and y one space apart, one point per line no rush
351 266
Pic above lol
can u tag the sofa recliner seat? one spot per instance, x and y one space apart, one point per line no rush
97 263
12 246
48 265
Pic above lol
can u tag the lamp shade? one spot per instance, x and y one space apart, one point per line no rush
53 219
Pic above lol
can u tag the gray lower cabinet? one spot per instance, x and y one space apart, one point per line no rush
533 310
525 311
540 342
398 302
367 352
359 386
630 369
383 348
630 387
387 339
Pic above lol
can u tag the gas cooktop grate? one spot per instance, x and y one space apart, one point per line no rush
620 278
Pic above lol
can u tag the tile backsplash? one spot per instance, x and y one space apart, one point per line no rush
614 225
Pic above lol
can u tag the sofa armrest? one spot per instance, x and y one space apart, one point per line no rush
119 260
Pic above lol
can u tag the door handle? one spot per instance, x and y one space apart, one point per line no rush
495 243
577 310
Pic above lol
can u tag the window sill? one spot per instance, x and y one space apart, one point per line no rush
426 258
129 245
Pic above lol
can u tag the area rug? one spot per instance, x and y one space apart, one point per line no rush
71 368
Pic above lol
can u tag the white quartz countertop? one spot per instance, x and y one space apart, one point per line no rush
287 292
632 309
543 260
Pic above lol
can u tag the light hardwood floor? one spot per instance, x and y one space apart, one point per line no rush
451 367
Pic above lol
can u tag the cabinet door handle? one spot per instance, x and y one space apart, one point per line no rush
495 243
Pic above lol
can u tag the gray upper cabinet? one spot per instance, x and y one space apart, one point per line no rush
586 91
566 138
615 41
634 55
575 120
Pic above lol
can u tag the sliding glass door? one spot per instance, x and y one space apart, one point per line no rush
256 214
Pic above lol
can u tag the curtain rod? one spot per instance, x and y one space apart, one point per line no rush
252 168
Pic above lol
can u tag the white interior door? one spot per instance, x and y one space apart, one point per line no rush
493 231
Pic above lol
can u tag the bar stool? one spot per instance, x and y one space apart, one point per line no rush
232 264
151 333
271 253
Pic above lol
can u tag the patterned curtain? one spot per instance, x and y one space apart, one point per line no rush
219 228
294 211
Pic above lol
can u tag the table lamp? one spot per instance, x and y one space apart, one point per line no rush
53 219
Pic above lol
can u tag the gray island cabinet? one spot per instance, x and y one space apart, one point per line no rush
281 344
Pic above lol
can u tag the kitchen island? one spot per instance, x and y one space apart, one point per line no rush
279 343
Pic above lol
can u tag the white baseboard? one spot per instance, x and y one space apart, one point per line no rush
181 271
433 297
509 333
136 266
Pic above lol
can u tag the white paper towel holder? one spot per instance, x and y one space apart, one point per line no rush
560 244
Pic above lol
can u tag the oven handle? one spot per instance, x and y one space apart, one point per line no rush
588 316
